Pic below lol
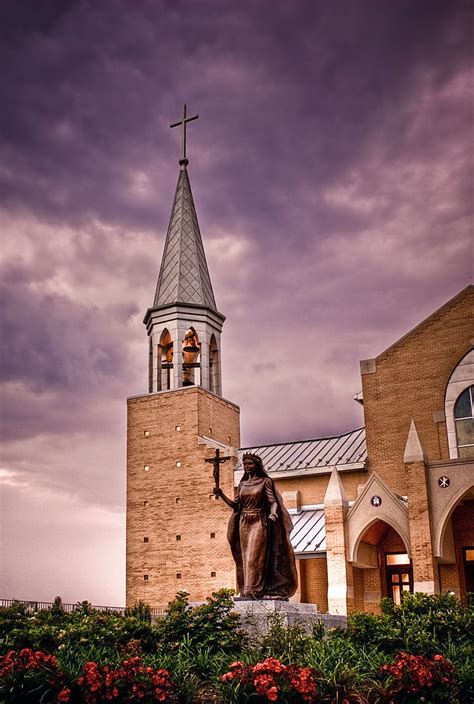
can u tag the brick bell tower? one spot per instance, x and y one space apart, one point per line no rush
176 529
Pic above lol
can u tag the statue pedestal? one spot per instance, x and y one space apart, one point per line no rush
256 615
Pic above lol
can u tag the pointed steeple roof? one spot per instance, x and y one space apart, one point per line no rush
184 276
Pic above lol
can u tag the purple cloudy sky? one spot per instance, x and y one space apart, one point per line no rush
332 178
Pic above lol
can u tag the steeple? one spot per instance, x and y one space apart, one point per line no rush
184 276
184 325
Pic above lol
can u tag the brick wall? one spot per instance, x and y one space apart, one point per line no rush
410 382
168 500
313 489
314 582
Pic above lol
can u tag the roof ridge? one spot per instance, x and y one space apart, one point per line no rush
294 442
430 319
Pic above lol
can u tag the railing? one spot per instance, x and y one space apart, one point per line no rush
46 606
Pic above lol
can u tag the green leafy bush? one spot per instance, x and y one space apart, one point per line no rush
212 625
422 624
287 643
358 665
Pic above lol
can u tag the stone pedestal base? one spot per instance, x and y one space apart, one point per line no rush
256 615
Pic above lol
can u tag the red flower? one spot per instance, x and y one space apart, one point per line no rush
272 694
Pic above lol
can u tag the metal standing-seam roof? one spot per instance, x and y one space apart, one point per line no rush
308 534
321 453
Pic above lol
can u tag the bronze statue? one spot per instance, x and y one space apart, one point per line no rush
259 535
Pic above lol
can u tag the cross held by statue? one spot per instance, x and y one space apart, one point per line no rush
217 460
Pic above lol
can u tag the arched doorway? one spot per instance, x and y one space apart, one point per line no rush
457 547
382 566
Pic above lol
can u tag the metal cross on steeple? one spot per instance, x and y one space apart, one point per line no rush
183 160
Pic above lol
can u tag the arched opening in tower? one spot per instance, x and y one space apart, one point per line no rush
191 374
213 366
165 362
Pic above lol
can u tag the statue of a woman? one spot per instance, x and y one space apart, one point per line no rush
259 535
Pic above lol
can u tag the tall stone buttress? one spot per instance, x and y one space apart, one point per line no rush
176 529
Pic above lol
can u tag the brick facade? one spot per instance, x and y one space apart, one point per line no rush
409 383
405 383
173 506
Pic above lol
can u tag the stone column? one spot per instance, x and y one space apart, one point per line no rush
204 361
340 577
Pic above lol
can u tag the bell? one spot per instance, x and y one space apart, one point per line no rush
188 383
191 348
190 342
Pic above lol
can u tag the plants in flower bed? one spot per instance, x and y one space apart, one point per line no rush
33 676
132 681
213 625
417 678
423 624
48 654
270 681
85 628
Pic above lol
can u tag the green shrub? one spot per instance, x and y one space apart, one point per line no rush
140 610
197 644
428 623
422 624
287 643
462 657
212 625
372 629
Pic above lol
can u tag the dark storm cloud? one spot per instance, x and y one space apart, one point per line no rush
285 98
293 102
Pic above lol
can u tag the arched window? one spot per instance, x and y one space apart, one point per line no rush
457 402
464 422
165 361
213 366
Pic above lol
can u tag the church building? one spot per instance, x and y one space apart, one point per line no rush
386 508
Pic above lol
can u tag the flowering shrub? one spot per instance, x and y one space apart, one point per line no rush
131 682
417 678
273 681
27 672
34 676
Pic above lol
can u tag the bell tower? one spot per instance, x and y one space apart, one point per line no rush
176 528
184 326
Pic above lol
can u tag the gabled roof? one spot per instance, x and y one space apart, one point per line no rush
465 292
184 276
308 455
